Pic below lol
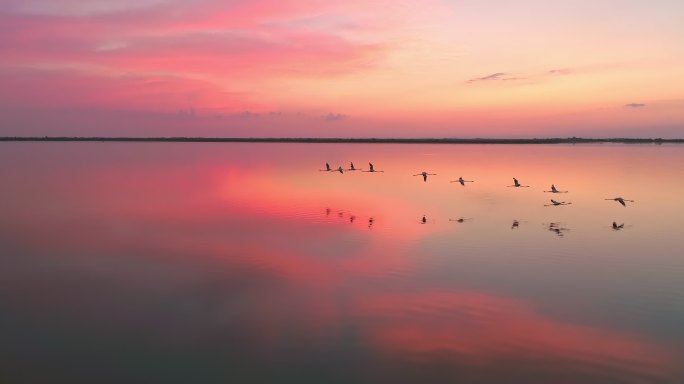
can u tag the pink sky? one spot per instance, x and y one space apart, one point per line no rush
469 68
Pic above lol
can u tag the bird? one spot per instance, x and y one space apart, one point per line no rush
327 168
554 190
618 227
515 224
425 175
460 180
621 200
351 167
556 203
517 184
340 170
371 168
459 220
370 222
423 220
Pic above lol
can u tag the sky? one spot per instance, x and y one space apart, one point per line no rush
329 68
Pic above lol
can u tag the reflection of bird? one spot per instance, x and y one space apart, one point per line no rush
425 175
556 203
352 218
557 229
370 222
517 184
460 180
618 227
554 190
621 200
371 168
515 224
327 168
327 211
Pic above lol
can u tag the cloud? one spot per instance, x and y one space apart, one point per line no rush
635 105
562 71
334 117
499 76
494 76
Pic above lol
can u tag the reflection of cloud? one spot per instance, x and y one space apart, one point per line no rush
333 117
635 105
487 329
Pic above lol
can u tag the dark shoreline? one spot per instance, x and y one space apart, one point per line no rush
571 140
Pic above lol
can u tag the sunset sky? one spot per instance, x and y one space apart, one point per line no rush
329 68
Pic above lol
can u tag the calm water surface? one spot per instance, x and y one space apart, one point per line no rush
243 263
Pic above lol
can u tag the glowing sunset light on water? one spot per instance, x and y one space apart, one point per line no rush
342 68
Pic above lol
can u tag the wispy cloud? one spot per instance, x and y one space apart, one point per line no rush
335 117
493 76
499 76
635 105
560 71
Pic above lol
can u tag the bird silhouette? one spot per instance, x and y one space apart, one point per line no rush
556 203
517 184
425 175
515 224
460 180
340 170
351 167
371 168
460 219
327 168
621 200
618 227
554 190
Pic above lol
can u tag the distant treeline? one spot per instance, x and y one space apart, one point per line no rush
569 140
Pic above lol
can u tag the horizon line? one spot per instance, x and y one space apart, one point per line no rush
385 140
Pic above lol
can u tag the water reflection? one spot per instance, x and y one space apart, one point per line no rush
558 229
618 227
241 263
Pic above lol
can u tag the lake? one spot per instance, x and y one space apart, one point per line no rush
245 263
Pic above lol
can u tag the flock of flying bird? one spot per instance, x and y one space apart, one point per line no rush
516 183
